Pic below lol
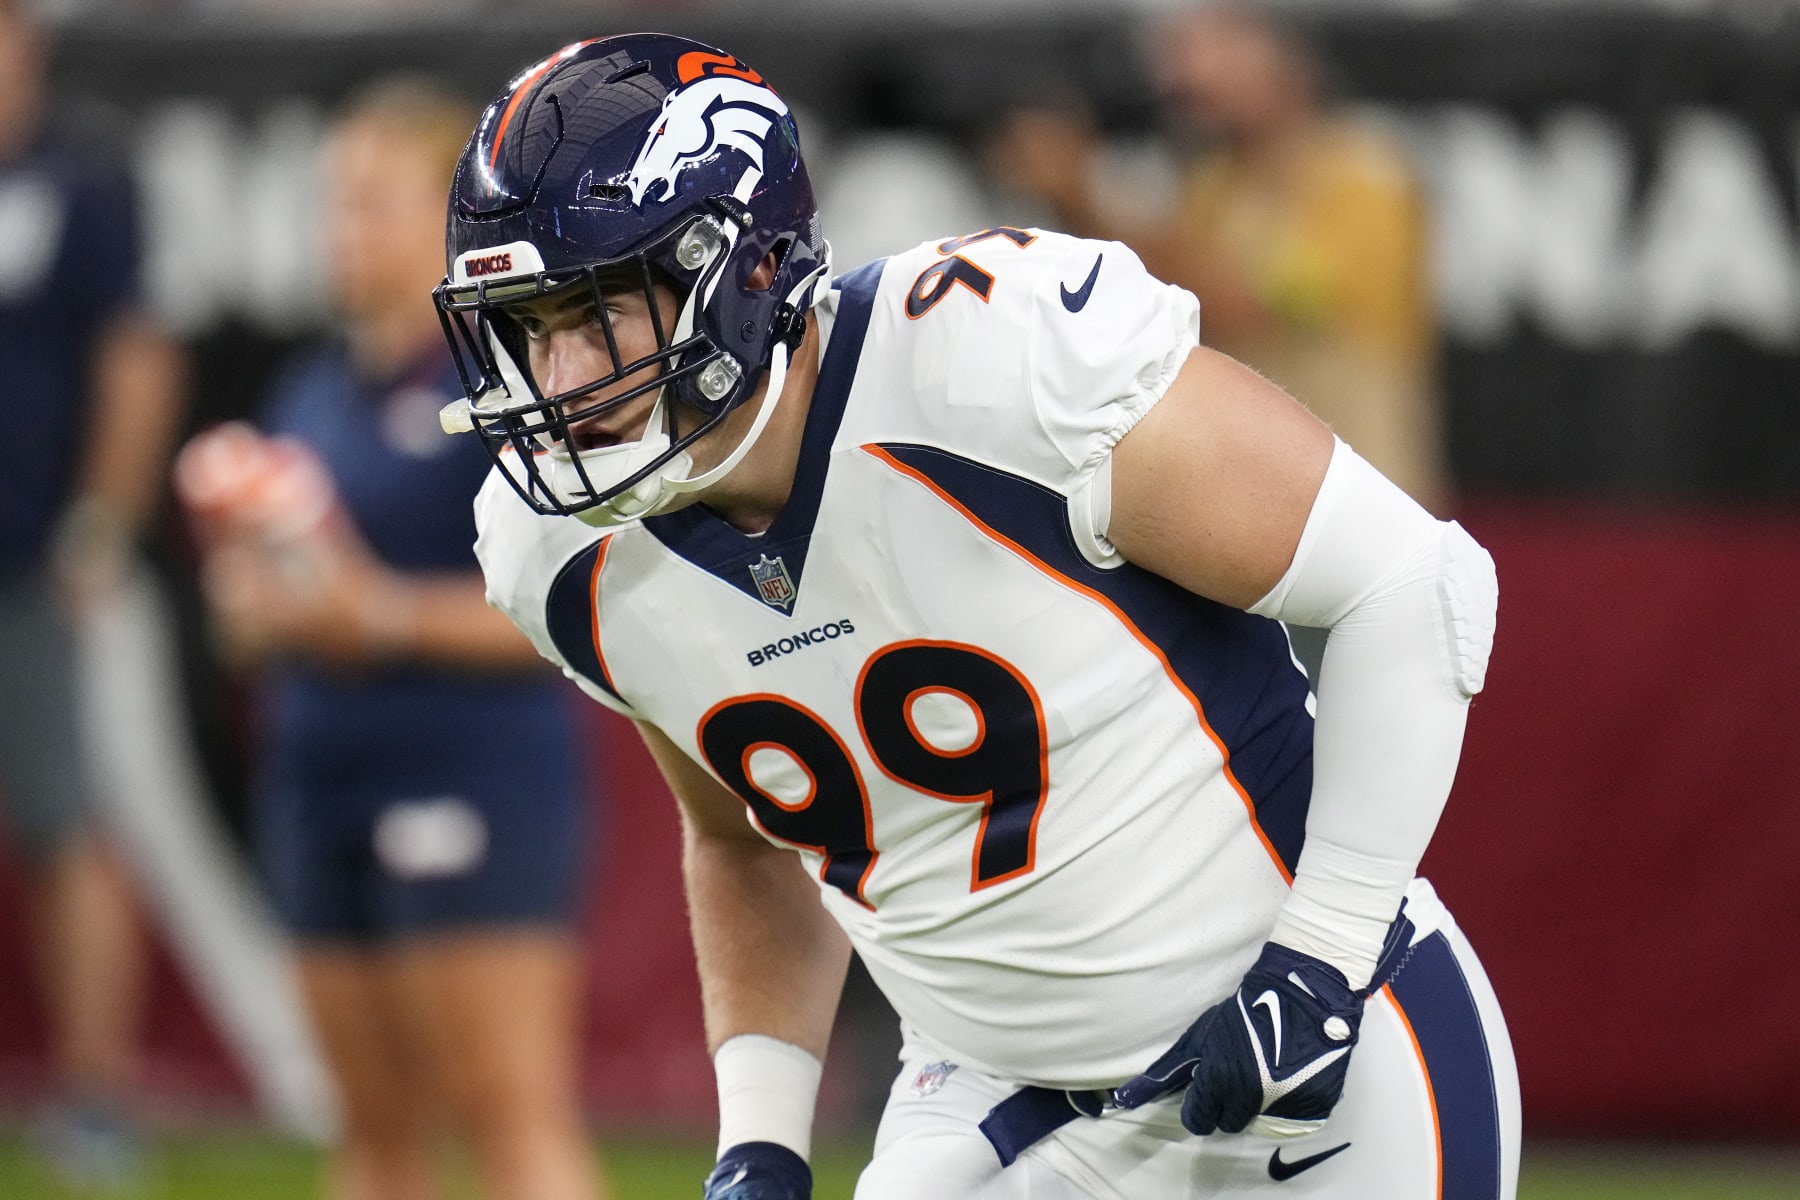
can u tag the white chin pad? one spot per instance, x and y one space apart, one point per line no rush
608 466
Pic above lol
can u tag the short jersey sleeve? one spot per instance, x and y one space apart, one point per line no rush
1029 350
104 260
1034 350
1107 339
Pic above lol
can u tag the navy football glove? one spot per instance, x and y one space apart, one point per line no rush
759 1171
1271 1057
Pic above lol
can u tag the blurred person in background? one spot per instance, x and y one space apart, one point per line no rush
1303 231
431 888
105 387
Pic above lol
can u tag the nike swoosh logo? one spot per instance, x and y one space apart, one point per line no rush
1280 1171
1077 300
1271 1002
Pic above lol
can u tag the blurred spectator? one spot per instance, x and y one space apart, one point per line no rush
897 189
98 390
1303 231
431 886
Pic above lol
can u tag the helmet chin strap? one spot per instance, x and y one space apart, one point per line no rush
777 377
671 483
778 363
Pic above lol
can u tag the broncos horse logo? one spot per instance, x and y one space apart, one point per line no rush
720 106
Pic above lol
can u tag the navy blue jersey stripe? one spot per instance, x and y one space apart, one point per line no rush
569 615
716 546
1236 664
1434 995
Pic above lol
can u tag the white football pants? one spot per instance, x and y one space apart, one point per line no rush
1430 1112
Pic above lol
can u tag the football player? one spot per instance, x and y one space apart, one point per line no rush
962 579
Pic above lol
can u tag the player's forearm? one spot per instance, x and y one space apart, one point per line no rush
1385 749
771 968
771 959
1410 603
443 620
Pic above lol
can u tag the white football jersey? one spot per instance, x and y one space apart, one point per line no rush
1054 799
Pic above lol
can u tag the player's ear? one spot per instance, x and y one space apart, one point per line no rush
763 277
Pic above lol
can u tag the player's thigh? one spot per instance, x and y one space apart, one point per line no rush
495 1012
1429 1112
1459 1041
930 1143
365 1044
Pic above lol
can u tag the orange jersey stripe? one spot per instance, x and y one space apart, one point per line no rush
1130 627
594 608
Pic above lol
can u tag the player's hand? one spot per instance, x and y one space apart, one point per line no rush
326 600
1271 1057
759 1171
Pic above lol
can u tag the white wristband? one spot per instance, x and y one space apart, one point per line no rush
767 1091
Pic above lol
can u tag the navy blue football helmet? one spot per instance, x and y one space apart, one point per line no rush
628 162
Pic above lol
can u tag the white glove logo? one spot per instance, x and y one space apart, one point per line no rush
1273 1003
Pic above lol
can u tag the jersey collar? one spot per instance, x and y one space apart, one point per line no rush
713 544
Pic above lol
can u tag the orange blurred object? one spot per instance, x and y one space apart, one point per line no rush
237 483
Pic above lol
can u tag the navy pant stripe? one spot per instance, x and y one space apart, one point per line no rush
1434 996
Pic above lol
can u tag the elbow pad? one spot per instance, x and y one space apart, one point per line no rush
1469 591
1410 603
1365 536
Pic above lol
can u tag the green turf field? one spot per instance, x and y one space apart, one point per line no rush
250 1167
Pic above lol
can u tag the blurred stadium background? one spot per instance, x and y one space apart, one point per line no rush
1615 195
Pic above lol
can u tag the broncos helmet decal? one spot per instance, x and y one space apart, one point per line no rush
698 120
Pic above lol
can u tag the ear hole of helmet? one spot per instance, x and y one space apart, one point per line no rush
774 261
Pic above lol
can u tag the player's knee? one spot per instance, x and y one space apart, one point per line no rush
382 1123
492 1102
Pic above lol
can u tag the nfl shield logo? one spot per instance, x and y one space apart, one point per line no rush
773 583
931 1077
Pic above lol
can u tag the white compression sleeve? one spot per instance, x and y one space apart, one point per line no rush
767 1091
1409 602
